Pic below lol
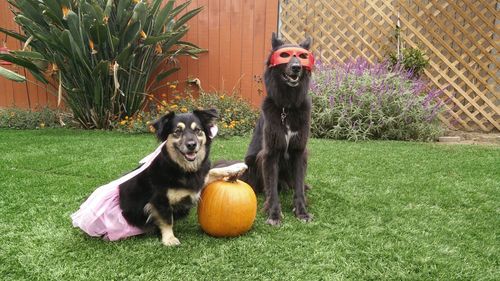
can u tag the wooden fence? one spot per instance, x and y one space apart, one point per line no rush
24 95
236 32
460 39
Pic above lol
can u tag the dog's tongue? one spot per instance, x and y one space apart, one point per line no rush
190 156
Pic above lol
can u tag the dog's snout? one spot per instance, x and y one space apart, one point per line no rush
191 145
296 67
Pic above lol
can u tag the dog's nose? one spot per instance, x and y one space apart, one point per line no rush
191 145
296 68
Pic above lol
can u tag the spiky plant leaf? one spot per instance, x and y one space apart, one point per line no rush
13 34
26 64
11 75
165 74
163 16
187 16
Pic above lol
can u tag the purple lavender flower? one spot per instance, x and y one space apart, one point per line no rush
374 100
332 101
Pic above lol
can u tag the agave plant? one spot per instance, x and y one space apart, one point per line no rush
101 52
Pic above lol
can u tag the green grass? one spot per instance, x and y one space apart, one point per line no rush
382 211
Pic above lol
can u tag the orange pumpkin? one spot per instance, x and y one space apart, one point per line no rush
227 208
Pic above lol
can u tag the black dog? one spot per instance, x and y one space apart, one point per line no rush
277 153
167 189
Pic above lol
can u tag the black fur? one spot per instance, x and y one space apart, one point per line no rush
143 199
286 110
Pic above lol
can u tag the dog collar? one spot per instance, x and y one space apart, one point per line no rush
284 55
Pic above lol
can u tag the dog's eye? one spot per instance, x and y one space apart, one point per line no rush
197 131
178 131
303 56
284 55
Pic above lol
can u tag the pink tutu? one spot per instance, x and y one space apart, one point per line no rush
101 216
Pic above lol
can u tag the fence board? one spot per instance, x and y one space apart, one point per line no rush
226 73
247 53
460 39
235 49
203 42
259 53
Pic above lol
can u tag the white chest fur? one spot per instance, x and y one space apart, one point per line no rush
289 134
176 195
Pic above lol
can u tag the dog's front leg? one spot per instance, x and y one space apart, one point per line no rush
299 199
221 172
164 219
270 175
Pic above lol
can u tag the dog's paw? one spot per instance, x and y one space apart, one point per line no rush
275 216
238 168
170 241
235 170
273 222
305 217
302 214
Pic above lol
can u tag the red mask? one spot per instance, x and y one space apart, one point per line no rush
284 55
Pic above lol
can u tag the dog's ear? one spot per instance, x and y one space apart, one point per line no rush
208 119
306 44
276 42
160 126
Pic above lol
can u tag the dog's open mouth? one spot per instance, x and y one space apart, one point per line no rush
291 79
190 156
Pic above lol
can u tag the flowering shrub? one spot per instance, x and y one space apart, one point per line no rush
236 116
16 118
360 101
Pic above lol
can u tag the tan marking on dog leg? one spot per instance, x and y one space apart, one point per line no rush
167 230
167 236
208 179
147 210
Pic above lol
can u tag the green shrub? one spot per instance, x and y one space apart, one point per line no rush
236 116
412 60
360 101
16 118
103 52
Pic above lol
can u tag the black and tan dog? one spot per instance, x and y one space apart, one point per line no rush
167 189
277 154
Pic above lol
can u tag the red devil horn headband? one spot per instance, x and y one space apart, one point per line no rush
284 55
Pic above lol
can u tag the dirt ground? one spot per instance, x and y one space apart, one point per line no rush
472 138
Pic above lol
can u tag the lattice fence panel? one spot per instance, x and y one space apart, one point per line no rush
460 39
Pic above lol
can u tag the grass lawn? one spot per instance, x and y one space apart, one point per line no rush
382 211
